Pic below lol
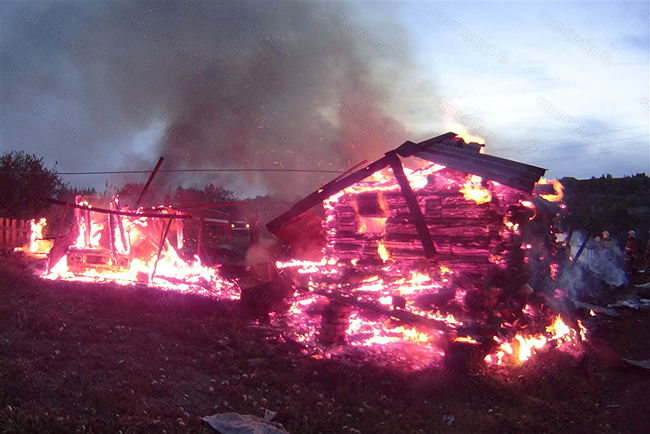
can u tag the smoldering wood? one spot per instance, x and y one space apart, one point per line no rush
402 315
595 308
482 333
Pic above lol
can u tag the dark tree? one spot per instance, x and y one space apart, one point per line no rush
24 183
194 196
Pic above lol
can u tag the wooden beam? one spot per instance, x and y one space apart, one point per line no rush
408 148
484 167
482 161
56 238
412 202
163 237
350 170
326 191
212 205
115 212
146 186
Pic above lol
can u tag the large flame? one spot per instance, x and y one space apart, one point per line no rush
394 292
171 271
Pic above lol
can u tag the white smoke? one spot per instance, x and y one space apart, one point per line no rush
597 262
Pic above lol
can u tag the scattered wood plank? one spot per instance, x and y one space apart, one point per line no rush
600 309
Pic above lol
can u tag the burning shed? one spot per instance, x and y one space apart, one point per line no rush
465 214
449 255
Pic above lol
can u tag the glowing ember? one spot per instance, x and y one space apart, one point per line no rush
527 204
465 339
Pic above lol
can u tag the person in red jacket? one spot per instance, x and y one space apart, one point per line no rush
629 255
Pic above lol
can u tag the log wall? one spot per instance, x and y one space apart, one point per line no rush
466 234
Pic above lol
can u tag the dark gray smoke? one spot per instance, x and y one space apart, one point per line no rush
209 84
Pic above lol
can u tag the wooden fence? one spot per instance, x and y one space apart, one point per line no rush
14 233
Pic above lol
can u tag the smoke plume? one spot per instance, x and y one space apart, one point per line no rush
205 85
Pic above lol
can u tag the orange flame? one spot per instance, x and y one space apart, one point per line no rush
473 190
172 272
36 242
557 186
462 132
526 345
383 253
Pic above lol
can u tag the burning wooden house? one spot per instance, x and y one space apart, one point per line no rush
135 246
451 253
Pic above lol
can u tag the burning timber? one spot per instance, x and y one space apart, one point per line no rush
459 256
131 247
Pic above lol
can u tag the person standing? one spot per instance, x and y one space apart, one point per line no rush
607 241
629 255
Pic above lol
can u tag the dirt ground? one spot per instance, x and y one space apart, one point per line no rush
102 358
